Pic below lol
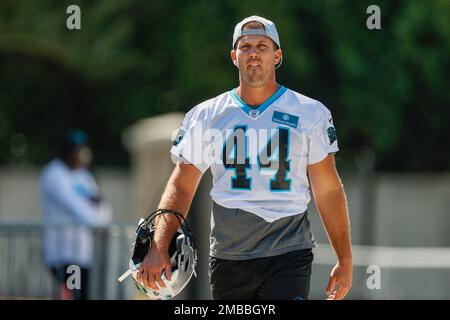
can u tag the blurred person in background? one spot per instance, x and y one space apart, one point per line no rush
72 206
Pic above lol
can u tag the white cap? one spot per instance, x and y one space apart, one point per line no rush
269 30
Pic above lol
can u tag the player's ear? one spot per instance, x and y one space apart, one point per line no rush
278 55
233 57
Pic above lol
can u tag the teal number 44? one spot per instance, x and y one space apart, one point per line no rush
275 155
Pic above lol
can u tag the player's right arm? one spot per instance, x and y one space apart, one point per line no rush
178 195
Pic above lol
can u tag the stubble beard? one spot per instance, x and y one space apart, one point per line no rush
255 79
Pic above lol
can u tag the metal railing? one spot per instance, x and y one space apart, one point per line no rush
24 274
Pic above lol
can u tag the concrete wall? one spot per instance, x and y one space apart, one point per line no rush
413 210
409 210
20 193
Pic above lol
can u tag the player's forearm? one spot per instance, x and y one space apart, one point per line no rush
175 197
333 210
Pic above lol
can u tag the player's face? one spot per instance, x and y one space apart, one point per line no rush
256 57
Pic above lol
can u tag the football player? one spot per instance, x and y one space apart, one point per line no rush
266 145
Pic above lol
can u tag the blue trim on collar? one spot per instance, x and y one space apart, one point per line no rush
246 108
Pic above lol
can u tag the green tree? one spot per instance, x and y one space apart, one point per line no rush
387 89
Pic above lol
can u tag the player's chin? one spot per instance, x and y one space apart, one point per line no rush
254 71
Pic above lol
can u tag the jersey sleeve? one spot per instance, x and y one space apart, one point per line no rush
190 145
322 139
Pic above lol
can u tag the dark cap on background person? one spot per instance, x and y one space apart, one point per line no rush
74 149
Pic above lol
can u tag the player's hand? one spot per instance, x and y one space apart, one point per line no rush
155 262
341 276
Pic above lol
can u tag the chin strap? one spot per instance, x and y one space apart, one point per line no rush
181 219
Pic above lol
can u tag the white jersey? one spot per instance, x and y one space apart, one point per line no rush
258 156
68 213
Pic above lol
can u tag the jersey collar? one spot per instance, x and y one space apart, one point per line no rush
255 112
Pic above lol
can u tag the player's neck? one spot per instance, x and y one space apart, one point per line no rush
256 96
